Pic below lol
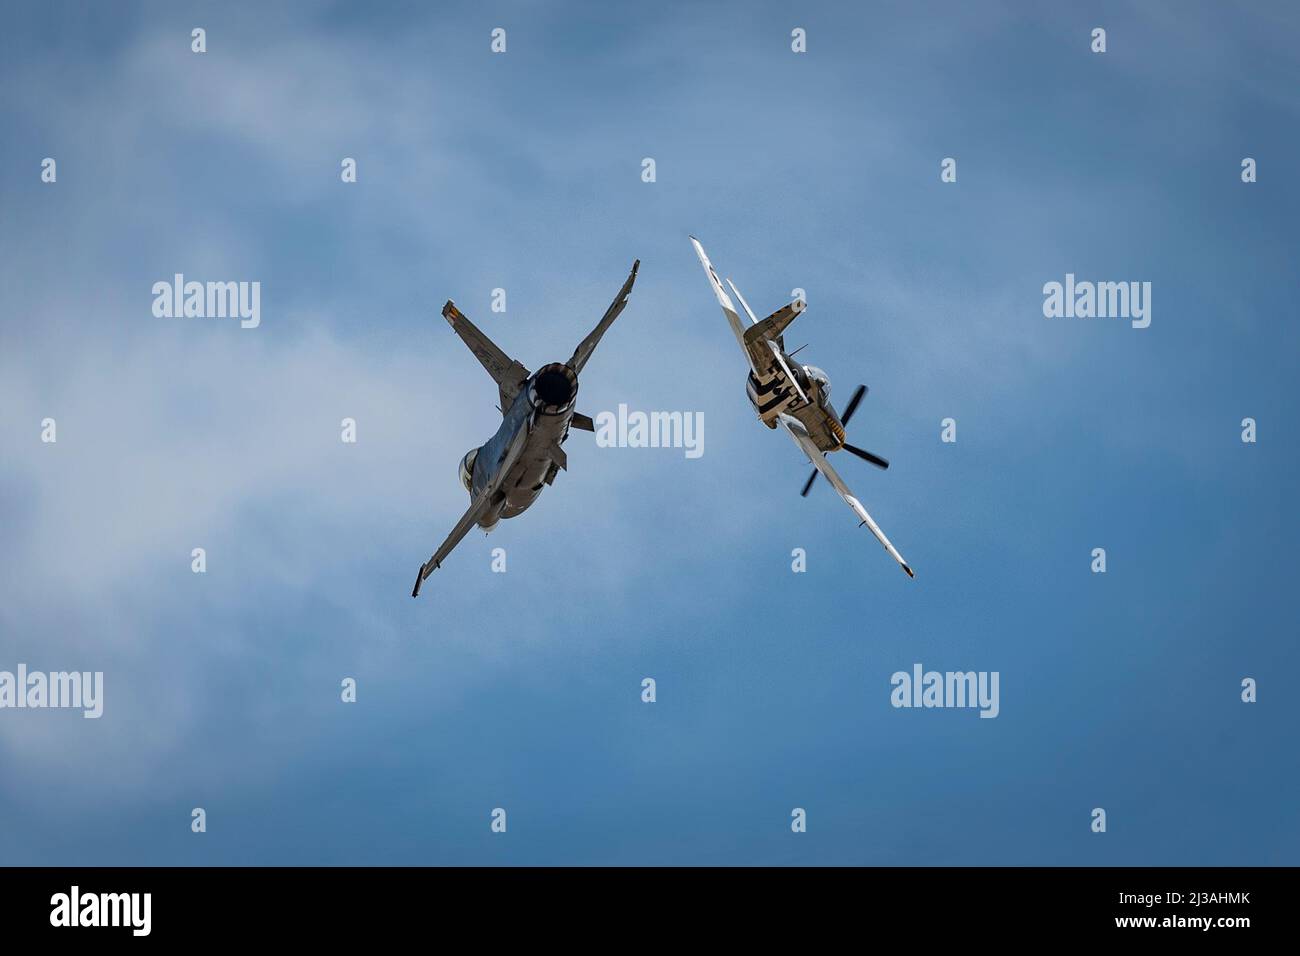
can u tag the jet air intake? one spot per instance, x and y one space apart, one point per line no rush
553 388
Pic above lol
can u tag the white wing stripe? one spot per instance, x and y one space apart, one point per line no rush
723 299
819 462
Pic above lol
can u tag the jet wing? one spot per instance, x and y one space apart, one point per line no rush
800 436
588 345
467 521
476 510
509 374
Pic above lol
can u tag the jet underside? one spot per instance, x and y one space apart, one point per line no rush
505 475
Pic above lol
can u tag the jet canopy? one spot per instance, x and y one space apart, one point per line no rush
467 468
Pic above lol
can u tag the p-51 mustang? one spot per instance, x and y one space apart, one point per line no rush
505 475
795 396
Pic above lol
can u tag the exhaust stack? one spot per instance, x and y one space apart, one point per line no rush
553 389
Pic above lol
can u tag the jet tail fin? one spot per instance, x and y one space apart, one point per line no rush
509 374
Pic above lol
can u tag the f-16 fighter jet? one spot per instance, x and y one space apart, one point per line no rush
505 475
796 397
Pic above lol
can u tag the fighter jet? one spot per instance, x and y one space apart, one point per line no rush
796 397
506 474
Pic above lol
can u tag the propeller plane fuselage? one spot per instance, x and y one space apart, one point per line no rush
794 396
817 414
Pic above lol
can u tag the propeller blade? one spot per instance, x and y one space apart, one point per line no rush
808 483
853 405
866 455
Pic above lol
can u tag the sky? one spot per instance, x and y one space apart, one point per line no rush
522 690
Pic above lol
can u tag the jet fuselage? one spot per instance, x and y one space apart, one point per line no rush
525 445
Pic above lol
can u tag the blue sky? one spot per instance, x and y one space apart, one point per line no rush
818 171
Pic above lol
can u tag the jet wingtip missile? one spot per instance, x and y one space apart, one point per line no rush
420 576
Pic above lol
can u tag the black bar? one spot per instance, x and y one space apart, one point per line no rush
978 905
